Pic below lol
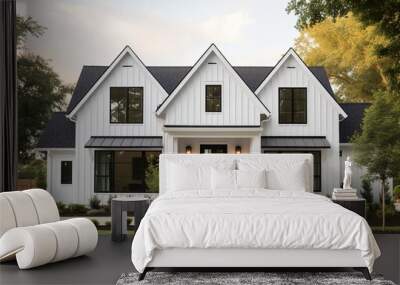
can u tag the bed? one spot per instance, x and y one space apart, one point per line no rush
246 211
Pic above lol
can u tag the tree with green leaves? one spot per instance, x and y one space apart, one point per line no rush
346 49
40 90
382 14
377 147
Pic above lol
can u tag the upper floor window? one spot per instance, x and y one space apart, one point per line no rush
66 172
213 98
126 105
293 105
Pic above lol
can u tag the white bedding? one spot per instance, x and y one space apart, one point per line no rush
251 218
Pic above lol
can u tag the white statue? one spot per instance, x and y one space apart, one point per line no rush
347 174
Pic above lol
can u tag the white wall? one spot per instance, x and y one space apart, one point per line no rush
60 192
322 116
238 106
93 119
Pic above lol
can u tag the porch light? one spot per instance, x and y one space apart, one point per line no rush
238 149
188 149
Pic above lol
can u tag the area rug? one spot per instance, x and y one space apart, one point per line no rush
269 278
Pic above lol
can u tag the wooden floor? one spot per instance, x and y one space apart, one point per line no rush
110 260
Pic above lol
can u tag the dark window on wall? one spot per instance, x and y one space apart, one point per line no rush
293 105
66 172
126 105
213 148
122 171
317 164
213 98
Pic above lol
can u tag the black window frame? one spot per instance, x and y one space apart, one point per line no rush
213 147
292 122
127 105
317 171
111 173
66 173
220 97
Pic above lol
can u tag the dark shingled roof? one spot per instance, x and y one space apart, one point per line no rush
59 133
124 142
352 123
294 142
170 76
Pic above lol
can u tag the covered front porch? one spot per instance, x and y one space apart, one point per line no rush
205 139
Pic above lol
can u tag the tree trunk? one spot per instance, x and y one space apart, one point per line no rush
383 204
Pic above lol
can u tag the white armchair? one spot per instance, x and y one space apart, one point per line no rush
31 230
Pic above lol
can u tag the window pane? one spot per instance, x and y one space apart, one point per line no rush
299 105
103 171
121 171
213 98
66 172
118 104
285 105
135 105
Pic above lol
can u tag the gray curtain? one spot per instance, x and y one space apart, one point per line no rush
8 96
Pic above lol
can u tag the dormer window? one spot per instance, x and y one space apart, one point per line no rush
292 105
126 105
213 98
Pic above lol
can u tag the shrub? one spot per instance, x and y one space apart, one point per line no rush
94 202
366 191
62 209
77 209
95 222
35 169
152 174
96 212
396 193
129 221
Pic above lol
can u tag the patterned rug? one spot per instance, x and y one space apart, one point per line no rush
243 278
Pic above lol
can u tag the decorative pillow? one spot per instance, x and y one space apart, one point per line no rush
184 178
251 178
282 174
223 179
293 177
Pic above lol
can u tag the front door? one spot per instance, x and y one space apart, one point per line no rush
213 148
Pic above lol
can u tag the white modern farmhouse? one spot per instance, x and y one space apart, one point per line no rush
121 114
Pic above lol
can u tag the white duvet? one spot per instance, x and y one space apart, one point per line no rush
253 218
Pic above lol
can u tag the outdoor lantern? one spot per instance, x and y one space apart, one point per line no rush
188 149
238 149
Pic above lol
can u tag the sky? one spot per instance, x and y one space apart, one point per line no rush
168 32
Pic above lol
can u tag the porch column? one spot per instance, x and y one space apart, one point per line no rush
255 144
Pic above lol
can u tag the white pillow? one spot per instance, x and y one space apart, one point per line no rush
183 177
223 179
293 177
251 178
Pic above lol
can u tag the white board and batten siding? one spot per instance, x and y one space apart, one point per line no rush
60 192
238 106
322 116
93 118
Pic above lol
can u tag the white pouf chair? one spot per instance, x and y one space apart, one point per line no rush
31 230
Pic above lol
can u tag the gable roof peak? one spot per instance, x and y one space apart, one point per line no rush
195 67
72 109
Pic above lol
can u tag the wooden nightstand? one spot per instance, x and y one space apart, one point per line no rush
357 205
